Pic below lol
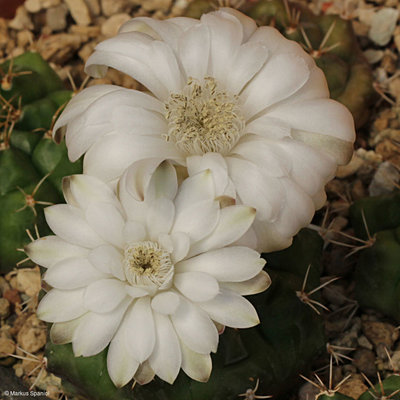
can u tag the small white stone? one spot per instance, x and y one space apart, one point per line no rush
383 25
56 17
111 7
79 11
111 26
21 20
94 7
33 6
384 180
373 56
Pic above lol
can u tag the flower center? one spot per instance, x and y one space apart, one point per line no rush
148 264
203 118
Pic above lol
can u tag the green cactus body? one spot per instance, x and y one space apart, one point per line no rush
390 389
334 396
276 351
377 272
347 72
27 154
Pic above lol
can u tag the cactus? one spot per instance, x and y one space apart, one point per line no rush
377 271
288 338
31 165
389 388
328 38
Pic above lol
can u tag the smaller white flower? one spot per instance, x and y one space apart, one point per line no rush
151 271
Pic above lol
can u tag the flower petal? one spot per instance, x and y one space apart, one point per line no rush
96 330
72 273
134 231
61 305
234 222
165 302
160 217
49 250
62 332
106 219
255 285
195 328
69 223
104 295
231 309
229 264
120 365
197 366
198 220
166 358
196 286
140 334
108 260
163 182
144 374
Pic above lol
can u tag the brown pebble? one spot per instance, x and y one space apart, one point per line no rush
12 296
354 387
18 323
4 308
364 360
380 333
32 335
29 281
7 346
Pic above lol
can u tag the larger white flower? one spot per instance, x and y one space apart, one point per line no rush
151 271
218 85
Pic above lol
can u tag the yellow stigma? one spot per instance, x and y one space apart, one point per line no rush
148 264
203 118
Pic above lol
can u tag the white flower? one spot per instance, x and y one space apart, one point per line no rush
152 271
224 86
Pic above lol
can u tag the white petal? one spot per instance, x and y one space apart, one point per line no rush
256 189
249 60
160 217
323 116
120 365
248 24
70 224
96 330
136 291
196 286
229 264
72 273
87 189
195 328
49 250
194 49
108 259
195 189
134 231
104 295
144 374
231 309
268 127
107 220
234 221
166 358
165 302
107 159
163 182
198 220
226 35
217 164
140 335
180 246
269 239
197 366
61 305
280 78
255 285
62 332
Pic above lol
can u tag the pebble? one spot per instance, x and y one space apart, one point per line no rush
160 5
364 360
394 88
351 168
111 7
4 308
94 7
7 346
12 296
385 178
397 38
34 6
4 285
373 56
21 20
56 17
59 48
389 61
364 342
24 38
29 281
354 387
79 11
32 335
308 391
111 26
383 24
380 333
